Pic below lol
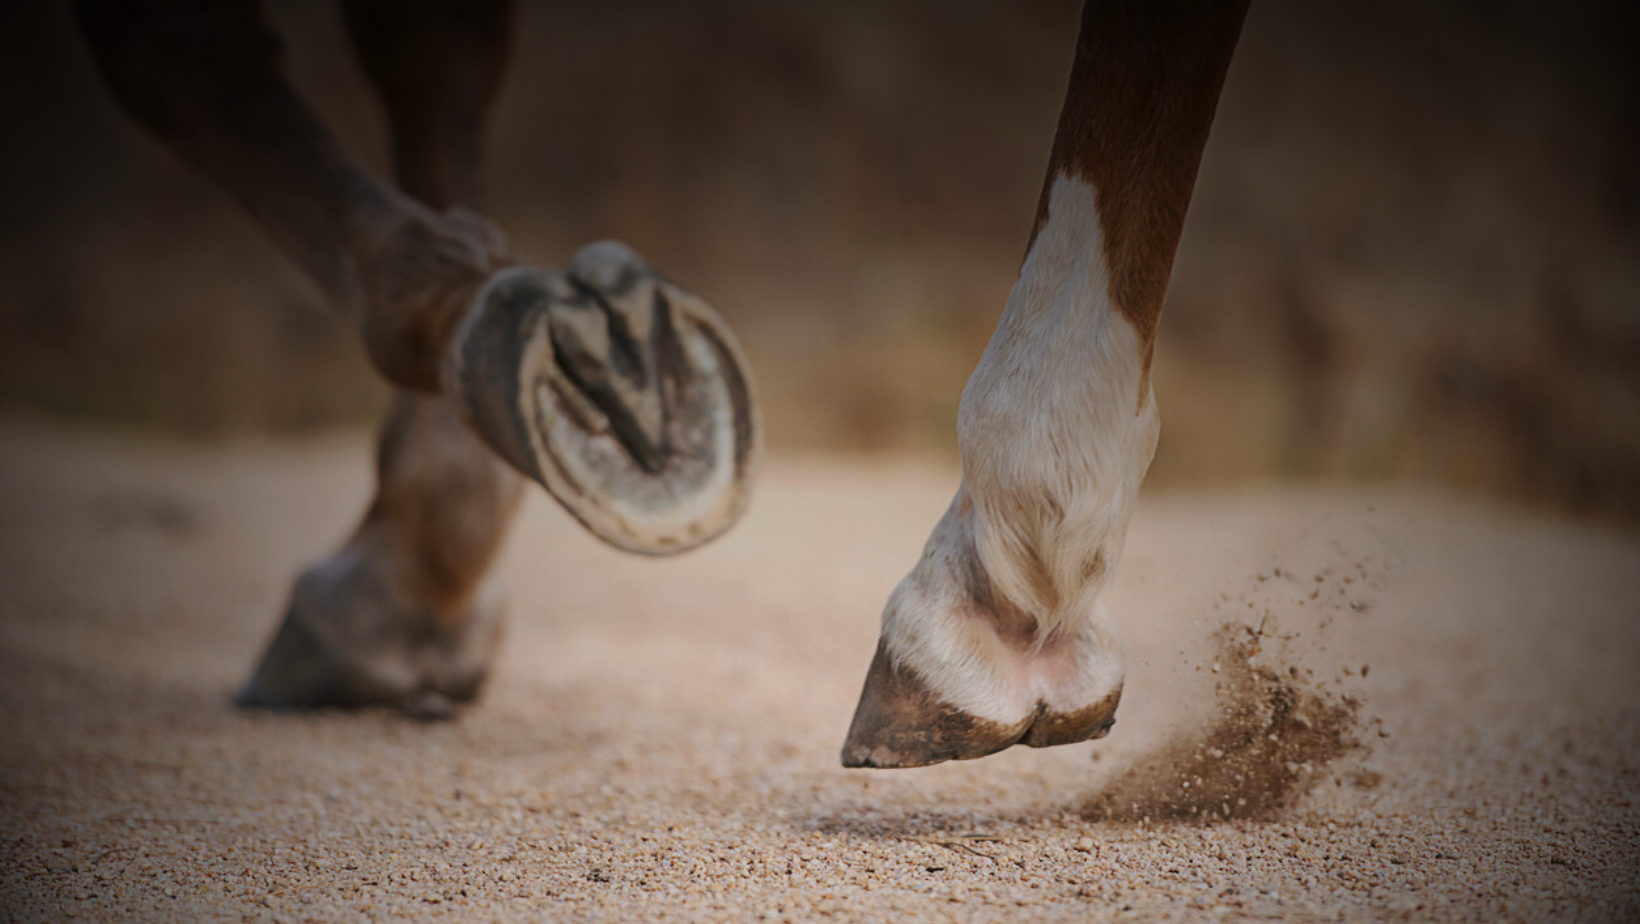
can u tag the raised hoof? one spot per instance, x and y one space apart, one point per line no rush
901 723
345 642
626 397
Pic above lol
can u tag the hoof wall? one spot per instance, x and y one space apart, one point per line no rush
901 723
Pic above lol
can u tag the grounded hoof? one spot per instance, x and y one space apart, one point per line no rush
344 642
623 395
961 671
901 723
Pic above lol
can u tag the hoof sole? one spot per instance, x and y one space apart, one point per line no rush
626 397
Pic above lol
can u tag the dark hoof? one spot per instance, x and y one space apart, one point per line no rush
429 706
345 643
901 723
623 395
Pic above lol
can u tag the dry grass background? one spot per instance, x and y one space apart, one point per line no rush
1412 252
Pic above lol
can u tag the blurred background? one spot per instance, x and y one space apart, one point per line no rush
1414 250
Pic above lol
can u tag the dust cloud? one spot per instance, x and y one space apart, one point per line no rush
1275 727
1271 735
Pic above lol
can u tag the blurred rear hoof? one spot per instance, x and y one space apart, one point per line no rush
343 643
429 706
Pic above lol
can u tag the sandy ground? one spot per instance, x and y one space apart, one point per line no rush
660 739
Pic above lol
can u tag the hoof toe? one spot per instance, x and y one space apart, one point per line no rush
901 723
627 398
429 706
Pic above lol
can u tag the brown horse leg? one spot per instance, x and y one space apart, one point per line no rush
402 614
437 66
623 395
205 77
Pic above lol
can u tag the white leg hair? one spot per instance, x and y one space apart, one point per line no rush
1001 618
